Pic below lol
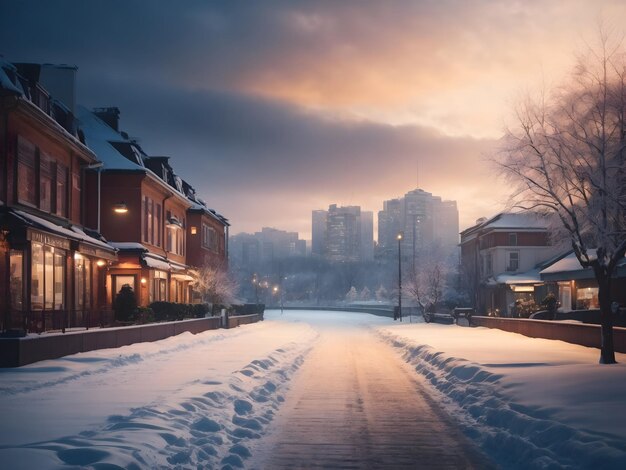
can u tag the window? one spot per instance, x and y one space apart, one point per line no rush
209 238
157 225
61 190
26 172
45 183
512 239
76 185
513 261
159 286
16 279
148 220
175 237
122 280
47 277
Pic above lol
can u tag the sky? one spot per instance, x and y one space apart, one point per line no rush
272 109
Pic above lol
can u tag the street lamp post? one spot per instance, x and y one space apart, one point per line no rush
400 236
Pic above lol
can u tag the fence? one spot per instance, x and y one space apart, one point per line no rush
575 333
39 321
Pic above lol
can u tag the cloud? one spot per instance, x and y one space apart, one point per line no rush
260 159
275 108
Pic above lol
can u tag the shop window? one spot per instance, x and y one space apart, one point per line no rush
586 298
59 279
82 287
26 172
16 282
47 285
120 281
48 278
159 286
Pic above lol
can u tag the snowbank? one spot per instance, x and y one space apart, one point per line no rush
189 400
529 403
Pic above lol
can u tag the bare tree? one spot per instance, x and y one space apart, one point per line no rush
427 285
567 160
215 284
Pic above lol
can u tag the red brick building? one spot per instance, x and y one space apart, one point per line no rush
141 210
52 269
500 262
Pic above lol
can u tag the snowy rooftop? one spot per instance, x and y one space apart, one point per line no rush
529 277
98 137
569 267
74 232
509 220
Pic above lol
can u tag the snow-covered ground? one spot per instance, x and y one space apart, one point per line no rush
204 400
189 400
529 403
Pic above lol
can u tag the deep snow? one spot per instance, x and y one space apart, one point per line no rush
204 400
529 403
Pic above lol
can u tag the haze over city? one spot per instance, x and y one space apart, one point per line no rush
276 109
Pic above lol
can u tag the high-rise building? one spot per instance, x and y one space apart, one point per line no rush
367 235
318 232
267 245
343 233
423 219
389 224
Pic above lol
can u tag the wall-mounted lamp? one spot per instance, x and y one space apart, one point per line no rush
144 281
100 263
194 230
120 208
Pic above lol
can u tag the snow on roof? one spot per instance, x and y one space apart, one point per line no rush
156 262
98 137
128 246
523 220
73 231
510 220
5 81
566 264
529 277
568 267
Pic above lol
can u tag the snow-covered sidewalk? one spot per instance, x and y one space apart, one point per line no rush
188 400
529 403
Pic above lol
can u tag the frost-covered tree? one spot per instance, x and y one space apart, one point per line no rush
352 295
215 284
566 157
365 294
382 294
426 287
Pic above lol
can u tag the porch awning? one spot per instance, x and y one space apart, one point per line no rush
529 277
568 268
68 236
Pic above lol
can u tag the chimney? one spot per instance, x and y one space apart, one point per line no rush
109 115
60 81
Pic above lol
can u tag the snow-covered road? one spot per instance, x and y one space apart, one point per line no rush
253 396
356 404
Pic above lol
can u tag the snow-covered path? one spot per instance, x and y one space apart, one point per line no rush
187 400
355 404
